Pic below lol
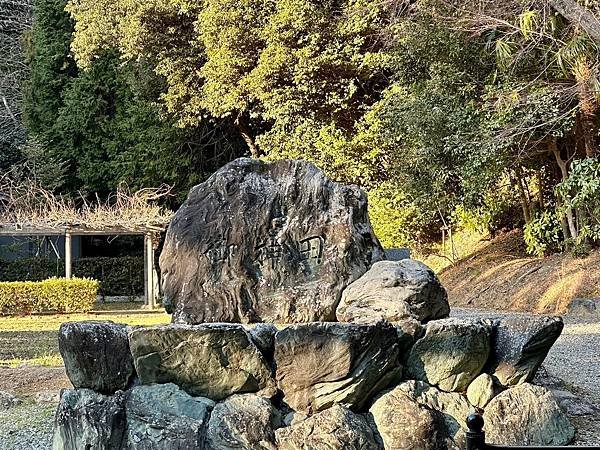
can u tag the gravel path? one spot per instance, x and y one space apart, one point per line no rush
27 426
575 361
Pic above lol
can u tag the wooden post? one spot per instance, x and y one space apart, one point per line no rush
68 255
149 271
146 293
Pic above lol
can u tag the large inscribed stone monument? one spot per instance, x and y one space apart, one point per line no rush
280 242
266 242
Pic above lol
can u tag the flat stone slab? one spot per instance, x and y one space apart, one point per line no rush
321 364
265 242
210 360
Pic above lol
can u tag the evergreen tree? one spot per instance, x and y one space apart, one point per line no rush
105 125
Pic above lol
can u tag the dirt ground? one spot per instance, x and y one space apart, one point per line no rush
499 275
27 381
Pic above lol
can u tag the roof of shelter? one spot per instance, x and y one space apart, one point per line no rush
27 209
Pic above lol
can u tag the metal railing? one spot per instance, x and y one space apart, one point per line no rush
476 439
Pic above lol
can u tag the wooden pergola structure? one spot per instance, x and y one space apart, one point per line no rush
27 209
151 240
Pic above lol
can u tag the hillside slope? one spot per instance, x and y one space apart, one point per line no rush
499 275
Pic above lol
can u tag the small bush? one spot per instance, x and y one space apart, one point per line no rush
54 294
397 222
543 234
581 192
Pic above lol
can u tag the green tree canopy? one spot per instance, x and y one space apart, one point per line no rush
105 125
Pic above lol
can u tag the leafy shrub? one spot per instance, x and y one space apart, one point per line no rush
581 192
117 275
396 221
54 294
543 234
495 210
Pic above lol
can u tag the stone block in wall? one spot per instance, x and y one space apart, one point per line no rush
324 363
243 422
162 416
450 410
96 355
451 354
209 360
481 390
520 345
334 428
403 423
86 419
526 415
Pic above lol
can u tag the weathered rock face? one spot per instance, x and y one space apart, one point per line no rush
264 242
320 364
96 355
526 415
86 419
403 423
245 422
263 336
211 360
163 416
450 410
520 345
481 390
394 290
334 428
451 354
409 331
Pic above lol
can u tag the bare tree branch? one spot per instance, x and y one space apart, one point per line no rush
25 203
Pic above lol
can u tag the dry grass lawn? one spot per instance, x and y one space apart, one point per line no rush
32 340
501 276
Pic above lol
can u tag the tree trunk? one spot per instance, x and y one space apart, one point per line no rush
564 226
579 16
523 195
242 128
540 183
562 165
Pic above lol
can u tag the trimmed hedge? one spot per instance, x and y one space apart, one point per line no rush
123 275
54 294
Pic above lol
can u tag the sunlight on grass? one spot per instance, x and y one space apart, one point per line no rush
43 322
47 360
32 340
465 243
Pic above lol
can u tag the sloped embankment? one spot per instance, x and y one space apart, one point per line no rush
500 275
